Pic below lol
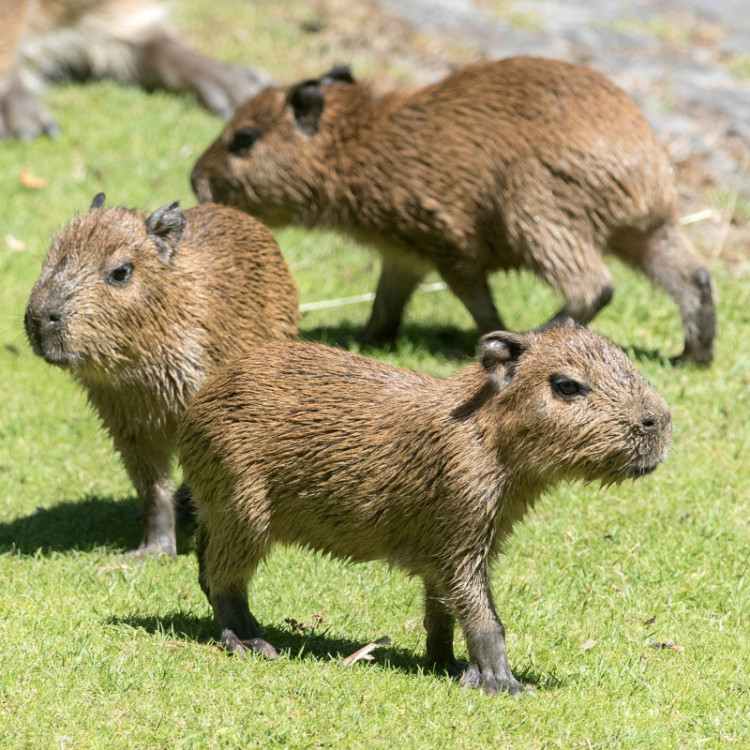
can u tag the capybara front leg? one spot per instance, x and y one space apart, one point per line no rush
150 475
399 278
485 638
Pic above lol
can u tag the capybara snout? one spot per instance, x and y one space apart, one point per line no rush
298 443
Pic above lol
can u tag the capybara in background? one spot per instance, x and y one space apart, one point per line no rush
520 163
128 40
142 309
301 443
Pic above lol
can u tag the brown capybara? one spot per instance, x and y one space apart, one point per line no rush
301 443
520 163
142 309
128 40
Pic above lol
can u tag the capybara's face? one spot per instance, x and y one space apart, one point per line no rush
254 163
579 409
100 301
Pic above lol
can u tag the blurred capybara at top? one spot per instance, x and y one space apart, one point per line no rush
128 40
142 309
520 163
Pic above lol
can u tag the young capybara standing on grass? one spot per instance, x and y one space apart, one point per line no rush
142 309
301 443
521 163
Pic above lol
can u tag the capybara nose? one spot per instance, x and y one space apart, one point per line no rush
653 423
51 320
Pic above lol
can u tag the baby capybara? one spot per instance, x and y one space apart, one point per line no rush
142 309
520 163
301 443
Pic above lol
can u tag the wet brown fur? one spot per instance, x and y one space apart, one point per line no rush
206 286
520 163
300 443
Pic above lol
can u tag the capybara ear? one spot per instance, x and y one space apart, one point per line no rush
499 352
306 101
338 74
165 227
97 202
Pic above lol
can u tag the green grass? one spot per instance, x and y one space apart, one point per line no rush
100 653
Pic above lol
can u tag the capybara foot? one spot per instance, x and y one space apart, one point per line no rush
491 682
702 356
162 546
235 645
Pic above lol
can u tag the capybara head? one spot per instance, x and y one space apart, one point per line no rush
105 293
267 161
570 405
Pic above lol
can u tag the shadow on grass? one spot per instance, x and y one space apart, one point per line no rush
451 343
316 644
637 354
83 525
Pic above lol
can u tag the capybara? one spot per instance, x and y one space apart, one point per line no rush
301 443
128 40
520 163
142 309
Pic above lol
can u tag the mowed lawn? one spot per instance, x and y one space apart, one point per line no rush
97 651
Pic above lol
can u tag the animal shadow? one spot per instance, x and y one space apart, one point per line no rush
83 525
317 644
451 343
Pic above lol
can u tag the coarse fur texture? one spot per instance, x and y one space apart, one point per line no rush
305 444
141 310
128 40
519 163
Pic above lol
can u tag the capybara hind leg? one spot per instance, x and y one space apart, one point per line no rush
240 631
399 278
485 638
225 565
475 293
439 624
668 259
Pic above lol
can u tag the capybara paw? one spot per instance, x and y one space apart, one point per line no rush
222 88
376 339
492 683
241 647
22 116
695 356
161 546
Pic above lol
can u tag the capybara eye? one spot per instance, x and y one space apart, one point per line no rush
567 387
120 275
242 140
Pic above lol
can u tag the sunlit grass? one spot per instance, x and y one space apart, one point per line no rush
98 652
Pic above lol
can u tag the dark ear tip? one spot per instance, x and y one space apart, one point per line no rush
166 218
97 202
338 74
